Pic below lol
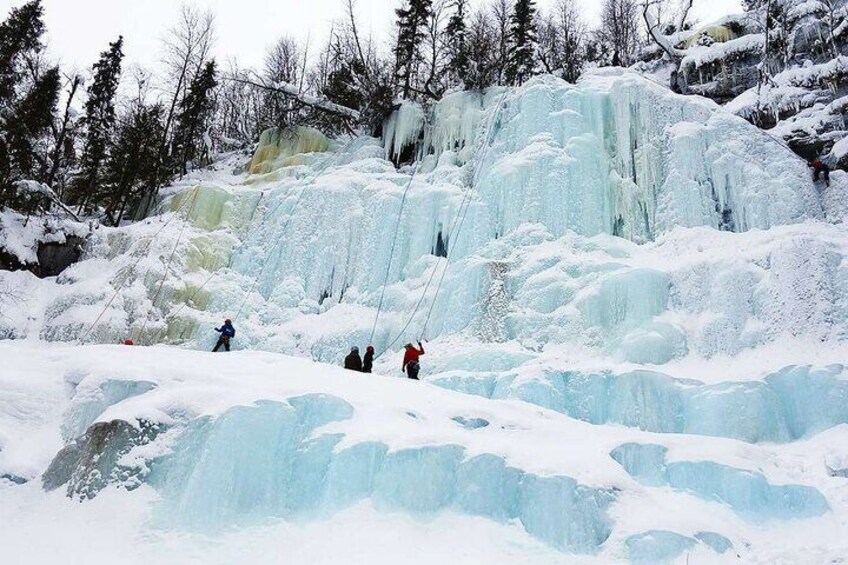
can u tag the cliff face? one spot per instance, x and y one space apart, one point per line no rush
796 87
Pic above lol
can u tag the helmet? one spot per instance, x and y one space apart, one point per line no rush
370 349
407 346
228 321
354 349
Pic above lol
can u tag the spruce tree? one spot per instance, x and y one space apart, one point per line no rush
457 46
22 153
411 27
20 33
193 120
133 165
28 96
99 123
521 63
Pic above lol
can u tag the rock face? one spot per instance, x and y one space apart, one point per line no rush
96 459
53 257
44 245
803 94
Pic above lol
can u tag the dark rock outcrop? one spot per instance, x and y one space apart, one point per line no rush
94 460
53 257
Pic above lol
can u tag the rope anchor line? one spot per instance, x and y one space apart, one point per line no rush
456 228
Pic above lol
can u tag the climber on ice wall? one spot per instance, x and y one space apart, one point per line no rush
820 169
227 332
353 362
410 360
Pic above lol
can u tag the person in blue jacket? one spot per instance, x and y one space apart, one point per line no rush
227 332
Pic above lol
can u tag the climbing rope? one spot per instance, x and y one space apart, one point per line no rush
392 253
190 298
168 263
133 267
456 227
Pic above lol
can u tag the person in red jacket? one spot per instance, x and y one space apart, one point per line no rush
820 169
410 360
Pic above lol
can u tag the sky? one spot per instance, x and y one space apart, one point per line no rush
78 30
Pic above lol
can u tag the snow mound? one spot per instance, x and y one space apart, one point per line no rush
241 441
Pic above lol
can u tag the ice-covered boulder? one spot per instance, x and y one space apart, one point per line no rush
280 147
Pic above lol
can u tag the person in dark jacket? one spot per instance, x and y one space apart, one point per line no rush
410 360
353 361
368 360
227 332
820 169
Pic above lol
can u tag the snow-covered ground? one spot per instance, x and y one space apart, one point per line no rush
263 456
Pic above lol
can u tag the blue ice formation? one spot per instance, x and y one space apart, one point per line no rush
657 547
792 403
265 461
91 401
748 493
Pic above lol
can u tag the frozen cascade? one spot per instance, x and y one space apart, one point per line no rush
265 461
230 442
616 237
610 155
549 172
794 403
746 492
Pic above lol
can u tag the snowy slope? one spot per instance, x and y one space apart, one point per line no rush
268 443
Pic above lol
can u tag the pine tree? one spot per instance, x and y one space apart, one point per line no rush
99 123
27 126
193 120
522 49
411 28
133 165
457 46
20 33
28 96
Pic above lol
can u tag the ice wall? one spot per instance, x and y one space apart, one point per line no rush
747 493
614 154
526 190
794 403
255 463
278 147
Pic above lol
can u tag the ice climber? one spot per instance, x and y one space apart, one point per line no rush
820 169
353 362
410 360
368 360
227 332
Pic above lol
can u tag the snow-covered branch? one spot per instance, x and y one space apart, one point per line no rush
318 102
683 14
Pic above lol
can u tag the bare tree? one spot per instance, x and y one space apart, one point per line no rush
435 50
562 41
186 50
62 132
501 12
482 59
619 30
282 66
651 15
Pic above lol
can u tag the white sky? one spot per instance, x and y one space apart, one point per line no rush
78 30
